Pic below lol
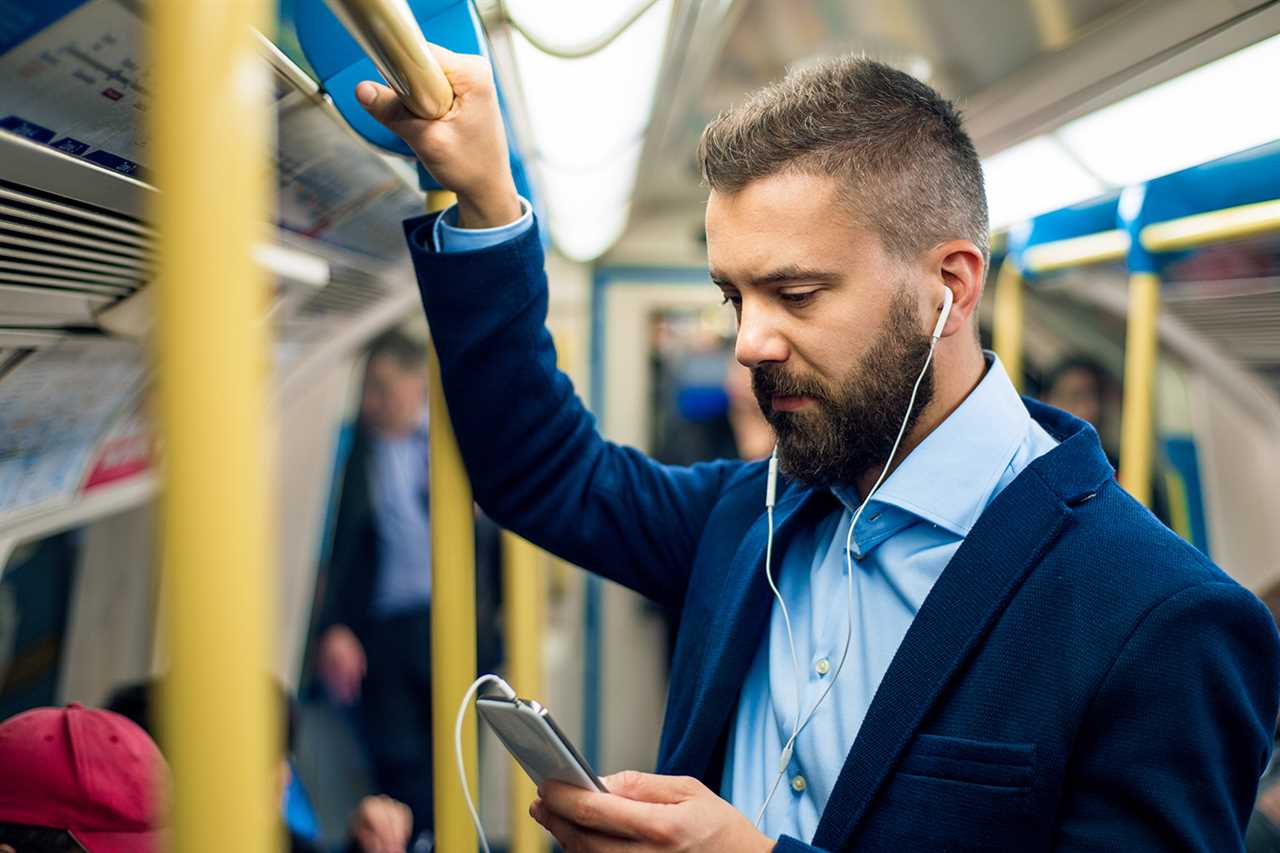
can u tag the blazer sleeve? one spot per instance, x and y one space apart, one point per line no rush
1178 734
537 464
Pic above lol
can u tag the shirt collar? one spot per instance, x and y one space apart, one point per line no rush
948 479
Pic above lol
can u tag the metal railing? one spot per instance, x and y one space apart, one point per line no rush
1138 429
210 128
212 362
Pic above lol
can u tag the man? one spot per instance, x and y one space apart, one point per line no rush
377 825
1035 663
1078 384
76 778
375 625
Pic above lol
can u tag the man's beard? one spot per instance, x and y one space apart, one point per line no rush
851 429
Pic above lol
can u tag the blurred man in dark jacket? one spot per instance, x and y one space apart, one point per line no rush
374 629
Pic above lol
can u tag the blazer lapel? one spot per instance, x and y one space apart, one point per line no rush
732 641
972 590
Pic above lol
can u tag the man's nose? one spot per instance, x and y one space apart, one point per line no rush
759 339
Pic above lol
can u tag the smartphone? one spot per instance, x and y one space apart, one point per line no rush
536 742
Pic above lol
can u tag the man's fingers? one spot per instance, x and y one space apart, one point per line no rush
573 837
381 102
651 787
607 813
447 58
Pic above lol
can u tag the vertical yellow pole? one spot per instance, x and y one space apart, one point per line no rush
522 593
1008 321
209 124
1137 421
453 608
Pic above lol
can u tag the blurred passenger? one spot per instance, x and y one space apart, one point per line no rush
77 778
374 626
1033 661
378 825
1081 386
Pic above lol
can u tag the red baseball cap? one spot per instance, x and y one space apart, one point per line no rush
93 773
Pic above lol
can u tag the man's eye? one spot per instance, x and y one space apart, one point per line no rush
798 298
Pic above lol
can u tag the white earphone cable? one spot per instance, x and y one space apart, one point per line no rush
457 745
798 726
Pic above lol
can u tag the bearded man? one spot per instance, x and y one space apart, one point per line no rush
1005 652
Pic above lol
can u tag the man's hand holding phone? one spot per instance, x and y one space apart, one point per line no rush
466 148
644 812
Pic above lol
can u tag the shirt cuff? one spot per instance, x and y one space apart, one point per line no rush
449 238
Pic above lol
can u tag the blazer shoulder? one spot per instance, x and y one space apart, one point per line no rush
1118 540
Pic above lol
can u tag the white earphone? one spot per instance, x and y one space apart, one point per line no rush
947 298
771 493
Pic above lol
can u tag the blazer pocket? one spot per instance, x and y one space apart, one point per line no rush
998 764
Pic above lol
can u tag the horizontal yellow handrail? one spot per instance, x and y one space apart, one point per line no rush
389 34
1097 248
1232 223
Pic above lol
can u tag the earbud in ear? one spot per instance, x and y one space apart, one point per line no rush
947 298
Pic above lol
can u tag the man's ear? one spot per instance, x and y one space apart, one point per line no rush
960 267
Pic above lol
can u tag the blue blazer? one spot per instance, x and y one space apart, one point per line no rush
1078 679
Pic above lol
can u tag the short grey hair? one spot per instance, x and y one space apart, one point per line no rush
910 171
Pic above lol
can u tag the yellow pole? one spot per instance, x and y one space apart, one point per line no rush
1008 321
522 596
453 609
209 125
1137 426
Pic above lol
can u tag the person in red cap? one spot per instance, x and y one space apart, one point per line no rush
77 778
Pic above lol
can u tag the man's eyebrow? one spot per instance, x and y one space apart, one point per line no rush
793 273
789 274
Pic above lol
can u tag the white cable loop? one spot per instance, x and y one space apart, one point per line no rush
457 745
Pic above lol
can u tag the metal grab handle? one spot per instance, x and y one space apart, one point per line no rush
389 34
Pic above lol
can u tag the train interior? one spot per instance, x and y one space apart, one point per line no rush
1100 123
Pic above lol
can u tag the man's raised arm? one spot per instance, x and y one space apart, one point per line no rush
536 462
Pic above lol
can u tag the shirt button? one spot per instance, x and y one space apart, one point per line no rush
798 784
823 666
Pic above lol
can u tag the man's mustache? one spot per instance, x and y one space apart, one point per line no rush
771 380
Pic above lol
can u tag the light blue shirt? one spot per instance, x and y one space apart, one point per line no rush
398 489
905 538
450 238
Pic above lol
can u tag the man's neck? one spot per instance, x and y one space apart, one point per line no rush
957 370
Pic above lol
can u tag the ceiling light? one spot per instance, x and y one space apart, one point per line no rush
1200 116
587 117
1034 177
